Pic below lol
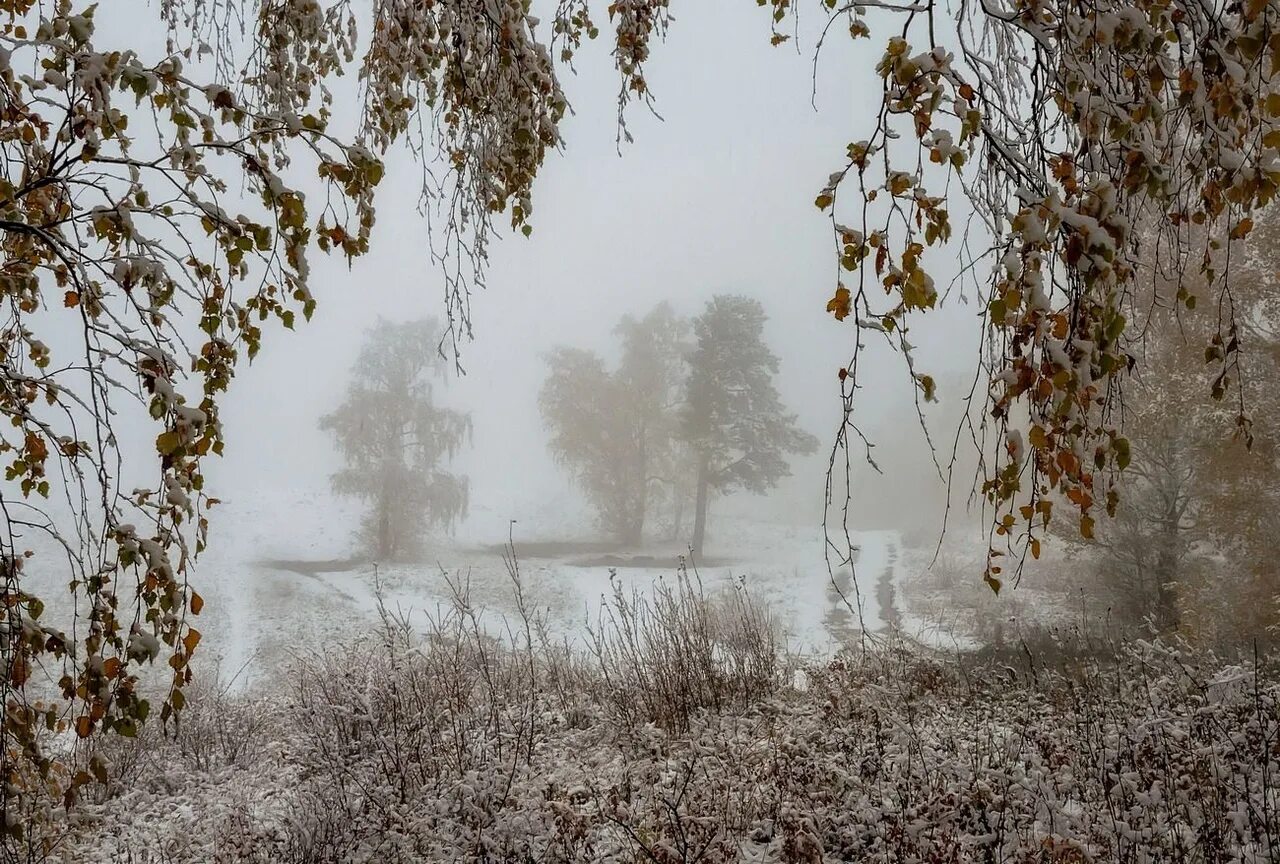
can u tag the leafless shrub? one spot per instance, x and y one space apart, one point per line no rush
665 657
483 740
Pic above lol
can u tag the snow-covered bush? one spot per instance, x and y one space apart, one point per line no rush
471 744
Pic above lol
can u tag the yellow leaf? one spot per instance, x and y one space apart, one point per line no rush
1086 527
191 640
197 603
167 442
839 305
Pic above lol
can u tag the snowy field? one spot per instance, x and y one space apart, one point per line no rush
280 577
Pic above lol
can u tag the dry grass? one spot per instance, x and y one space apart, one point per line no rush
677 738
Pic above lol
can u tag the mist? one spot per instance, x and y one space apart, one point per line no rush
716 197
767 495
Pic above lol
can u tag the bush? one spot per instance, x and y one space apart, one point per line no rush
674 741
663 659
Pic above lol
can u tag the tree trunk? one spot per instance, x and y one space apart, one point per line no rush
677 510
1167 571
700 513
386 543
634 535
635 531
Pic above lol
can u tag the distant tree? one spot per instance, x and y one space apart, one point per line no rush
582 406
652 376
1147 548
733 419
617 431
1193 546
394 437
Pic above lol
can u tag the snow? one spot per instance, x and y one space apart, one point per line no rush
279 573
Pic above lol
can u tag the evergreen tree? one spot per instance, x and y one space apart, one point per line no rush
734 420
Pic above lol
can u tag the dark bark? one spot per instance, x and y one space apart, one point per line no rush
386 539
635 531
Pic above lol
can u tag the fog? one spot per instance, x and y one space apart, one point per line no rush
615 576
714 197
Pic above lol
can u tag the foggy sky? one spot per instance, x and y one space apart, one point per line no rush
717 197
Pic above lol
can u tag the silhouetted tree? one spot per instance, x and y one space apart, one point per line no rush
394 437
652 376
733 419
617 431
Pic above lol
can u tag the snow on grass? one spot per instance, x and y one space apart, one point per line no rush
280 575
404 752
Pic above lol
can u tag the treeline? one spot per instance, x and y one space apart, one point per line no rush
689 411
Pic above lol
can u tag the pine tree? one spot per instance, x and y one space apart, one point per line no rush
734 420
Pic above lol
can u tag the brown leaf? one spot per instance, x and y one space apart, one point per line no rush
840 304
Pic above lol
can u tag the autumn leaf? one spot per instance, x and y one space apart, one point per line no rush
71 299
168 442
840 304
1242 229
84 726
197 603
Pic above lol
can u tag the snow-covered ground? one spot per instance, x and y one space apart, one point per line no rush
279 577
